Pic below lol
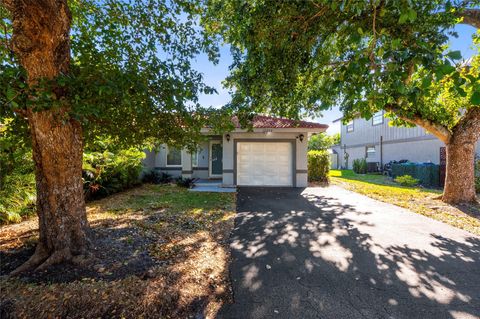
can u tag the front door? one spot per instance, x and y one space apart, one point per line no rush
216 158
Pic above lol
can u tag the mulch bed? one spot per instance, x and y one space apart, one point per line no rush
117 252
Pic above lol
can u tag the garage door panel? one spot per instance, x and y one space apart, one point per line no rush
264 163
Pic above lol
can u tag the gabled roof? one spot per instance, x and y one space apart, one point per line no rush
263 121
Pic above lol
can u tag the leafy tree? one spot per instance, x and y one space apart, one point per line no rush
323 141
294 57
71 71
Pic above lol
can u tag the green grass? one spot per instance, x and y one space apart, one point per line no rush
371 178
180 210
172 197
417 199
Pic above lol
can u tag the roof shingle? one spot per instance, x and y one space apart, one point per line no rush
263 121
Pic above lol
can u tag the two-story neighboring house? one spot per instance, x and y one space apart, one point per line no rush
378 142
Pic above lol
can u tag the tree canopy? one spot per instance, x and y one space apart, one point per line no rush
302 57
130 76
297 58
323 141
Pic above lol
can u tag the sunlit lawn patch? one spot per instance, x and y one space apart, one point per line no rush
161 252
420 200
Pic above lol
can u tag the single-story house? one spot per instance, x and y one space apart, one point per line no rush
273 153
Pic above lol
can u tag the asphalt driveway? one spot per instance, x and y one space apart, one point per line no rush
331 253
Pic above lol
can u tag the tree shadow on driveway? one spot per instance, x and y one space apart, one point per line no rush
298 253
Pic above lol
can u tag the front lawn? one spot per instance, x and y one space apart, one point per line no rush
420 200
158 252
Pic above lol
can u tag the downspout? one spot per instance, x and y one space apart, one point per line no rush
381 153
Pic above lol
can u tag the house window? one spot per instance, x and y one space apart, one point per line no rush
370 151
350 126
174 156
195 158
377 118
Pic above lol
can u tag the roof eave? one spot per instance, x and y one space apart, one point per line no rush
276 129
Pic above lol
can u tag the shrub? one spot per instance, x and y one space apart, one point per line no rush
156 177
106 172
407 180
318 166
185 182
17 179
17 192
360 166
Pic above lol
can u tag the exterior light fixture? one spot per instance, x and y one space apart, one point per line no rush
227 137
301 137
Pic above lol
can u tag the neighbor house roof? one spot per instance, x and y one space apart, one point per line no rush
263 121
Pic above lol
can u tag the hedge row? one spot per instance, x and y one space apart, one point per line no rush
318 166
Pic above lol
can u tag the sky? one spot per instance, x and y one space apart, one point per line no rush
215 74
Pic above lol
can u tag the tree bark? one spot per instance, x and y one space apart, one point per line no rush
460 173
470 17
41 42
460 144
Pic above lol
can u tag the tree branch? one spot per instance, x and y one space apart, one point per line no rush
8 4
440 131
470 17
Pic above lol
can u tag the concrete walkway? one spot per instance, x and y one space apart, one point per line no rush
331 253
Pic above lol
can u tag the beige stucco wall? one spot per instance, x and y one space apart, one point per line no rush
157 160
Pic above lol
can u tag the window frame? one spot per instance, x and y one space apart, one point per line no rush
376 116
351 123
367 152
197 153
167 150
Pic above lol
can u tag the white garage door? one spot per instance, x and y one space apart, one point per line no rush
267 164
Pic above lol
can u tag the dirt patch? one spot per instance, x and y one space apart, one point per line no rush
157 251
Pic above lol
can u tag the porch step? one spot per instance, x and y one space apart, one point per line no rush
213 189
208 183
211 185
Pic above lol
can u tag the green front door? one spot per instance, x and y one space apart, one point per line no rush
216 165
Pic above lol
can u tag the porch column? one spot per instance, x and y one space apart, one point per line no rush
228 158
301 169
186 164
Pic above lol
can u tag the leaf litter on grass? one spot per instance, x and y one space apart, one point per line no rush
159 252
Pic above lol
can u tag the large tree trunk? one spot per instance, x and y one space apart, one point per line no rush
460 173
42 44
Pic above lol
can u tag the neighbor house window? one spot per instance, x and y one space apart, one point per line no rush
174 156
377 118
350 126
370 151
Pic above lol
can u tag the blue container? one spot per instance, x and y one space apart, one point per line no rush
427 173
